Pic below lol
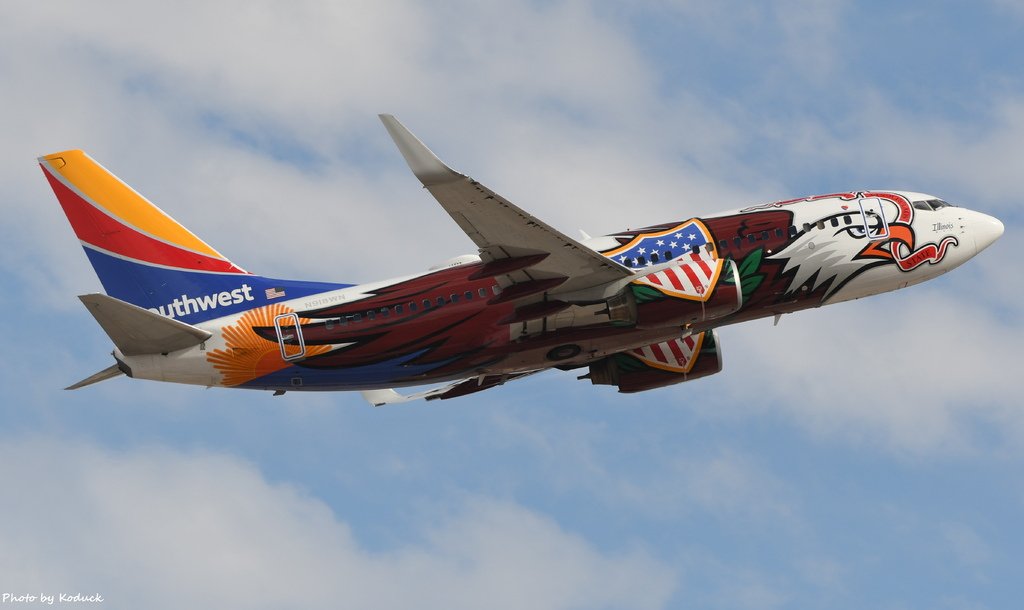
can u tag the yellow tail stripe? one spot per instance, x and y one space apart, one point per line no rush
121 201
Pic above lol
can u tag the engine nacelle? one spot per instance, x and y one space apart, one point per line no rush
660 364
688 292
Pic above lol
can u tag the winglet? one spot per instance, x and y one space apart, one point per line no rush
423 163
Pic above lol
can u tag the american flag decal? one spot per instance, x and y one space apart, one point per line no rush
648 249
694 280
677 355
274 293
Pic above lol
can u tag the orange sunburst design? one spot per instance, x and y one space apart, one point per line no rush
249 356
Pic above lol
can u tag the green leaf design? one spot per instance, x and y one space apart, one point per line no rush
750 279
628 364
750 284
750 264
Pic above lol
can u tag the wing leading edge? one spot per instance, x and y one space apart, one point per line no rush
515 245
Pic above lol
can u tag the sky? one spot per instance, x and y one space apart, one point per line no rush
867 454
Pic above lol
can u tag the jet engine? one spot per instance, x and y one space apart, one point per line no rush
659 364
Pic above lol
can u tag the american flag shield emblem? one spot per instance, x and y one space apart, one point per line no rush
274 293
649 249
678 355
694 280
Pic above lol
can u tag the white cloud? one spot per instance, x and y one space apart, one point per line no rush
916 371
157 528
720 483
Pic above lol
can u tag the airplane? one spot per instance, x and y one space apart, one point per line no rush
636 310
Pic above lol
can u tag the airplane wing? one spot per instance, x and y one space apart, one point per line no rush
379 398
526 252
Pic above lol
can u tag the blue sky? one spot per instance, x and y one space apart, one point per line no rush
863 455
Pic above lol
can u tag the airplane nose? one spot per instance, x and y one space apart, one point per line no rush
986 231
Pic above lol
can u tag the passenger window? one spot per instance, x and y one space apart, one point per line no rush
821 224
454 298
412 306
440 301
738 241
328 324
793 230
385 312
654 257
426 304
778 232
807 227
723 244
752 238
482 292
641 260
496 289
847 219
371 315
469 295
357 317
765 235
835 221
668 255
398 309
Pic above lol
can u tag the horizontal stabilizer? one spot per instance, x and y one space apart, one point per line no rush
107 373
137 331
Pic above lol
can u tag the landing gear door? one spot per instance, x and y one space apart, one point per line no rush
289 336
873 217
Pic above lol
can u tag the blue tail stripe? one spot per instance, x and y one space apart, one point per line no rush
193 297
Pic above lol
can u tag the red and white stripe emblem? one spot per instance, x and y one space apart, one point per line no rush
689 280
677 355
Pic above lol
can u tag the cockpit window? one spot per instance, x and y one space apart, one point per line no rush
931 204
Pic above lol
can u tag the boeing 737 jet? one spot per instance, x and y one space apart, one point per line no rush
636 309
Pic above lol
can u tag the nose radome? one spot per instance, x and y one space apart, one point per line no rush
987 230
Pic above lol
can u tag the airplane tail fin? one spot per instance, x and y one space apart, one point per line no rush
141 255
144 257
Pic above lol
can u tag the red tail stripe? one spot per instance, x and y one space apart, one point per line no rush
100 230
